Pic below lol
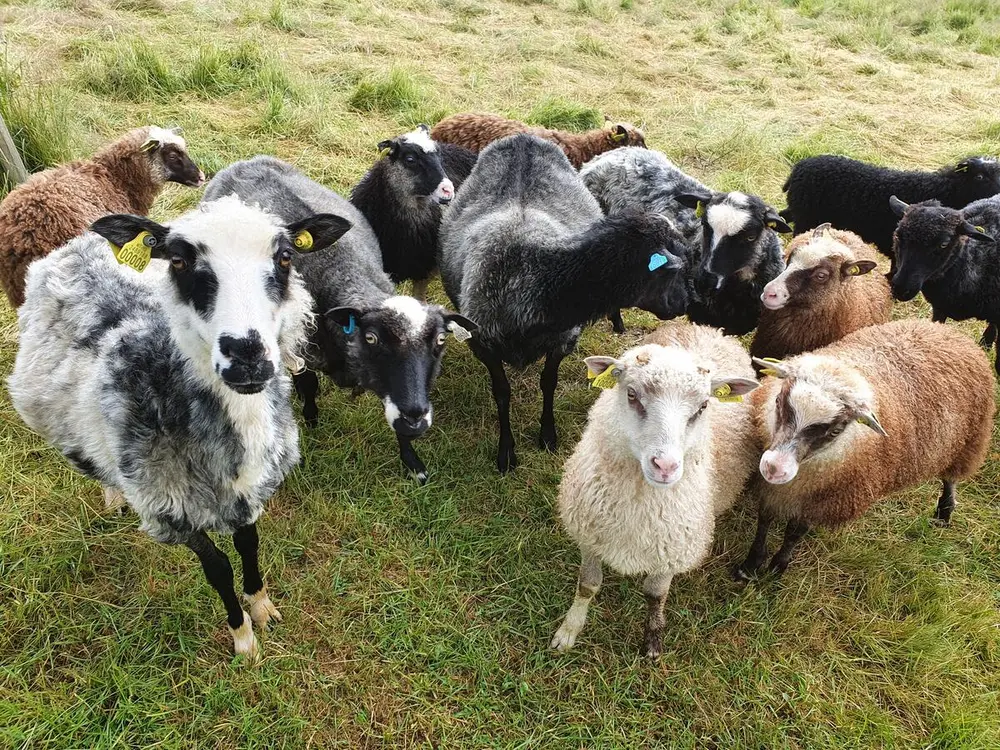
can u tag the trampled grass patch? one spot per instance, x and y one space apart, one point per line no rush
420 616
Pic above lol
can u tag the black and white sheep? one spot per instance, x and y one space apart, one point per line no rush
170 388
951 256
854 195
365 336
527 253
402 197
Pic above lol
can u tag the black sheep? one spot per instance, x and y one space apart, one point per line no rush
854 195
402 196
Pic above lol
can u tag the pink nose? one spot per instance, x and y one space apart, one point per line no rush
664 466
770 295
447 191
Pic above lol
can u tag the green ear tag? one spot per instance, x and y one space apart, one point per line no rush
605 380
699 210
135 253
303 240
722 394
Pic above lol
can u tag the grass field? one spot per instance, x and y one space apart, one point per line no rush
420 616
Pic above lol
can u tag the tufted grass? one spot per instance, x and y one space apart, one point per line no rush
420 616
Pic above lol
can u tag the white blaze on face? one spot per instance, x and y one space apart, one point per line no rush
422 138
728 218
164 136
412 310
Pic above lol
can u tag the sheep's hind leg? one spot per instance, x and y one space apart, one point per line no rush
114 501
617 324
219 573
307 386
262 611
587 586
547 438
410 458
794 531
946 505
655 587
758 550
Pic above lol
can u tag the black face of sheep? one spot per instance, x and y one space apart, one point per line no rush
417 156
734 233
168 152
398 348
975 178
928 239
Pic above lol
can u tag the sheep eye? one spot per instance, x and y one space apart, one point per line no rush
836 431
701 410
979 177
178 263
945 244
285 259
631 394
371 338
409 160
822 276
441 339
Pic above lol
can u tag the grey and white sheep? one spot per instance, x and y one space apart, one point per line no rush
660 459
527 253
170 388
58 204
366 336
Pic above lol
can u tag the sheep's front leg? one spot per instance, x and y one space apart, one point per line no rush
307 386
758 550
506 458
549 381
410 458
262 611
420 288
114 501
617 324
655 587
219 573
946 504
794 531
588 584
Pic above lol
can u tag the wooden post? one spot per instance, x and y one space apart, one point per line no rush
10 157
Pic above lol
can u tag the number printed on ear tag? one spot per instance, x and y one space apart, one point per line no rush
135 253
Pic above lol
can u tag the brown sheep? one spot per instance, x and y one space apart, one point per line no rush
54 206
826 291
475 131
932 389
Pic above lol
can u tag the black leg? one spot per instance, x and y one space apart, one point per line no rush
946 505
937 317
219 573
617 324
758 550
989 336
549 380
410 458
794 531
307 386
506 459
245 541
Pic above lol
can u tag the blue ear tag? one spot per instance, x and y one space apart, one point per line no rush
349 328
656 260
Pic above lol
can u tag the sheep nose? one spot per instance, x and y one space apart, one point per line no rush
414 414
664 466
247 350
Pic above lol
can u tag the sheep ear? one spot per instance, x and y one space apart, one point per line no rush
867 417
821 230
425 127
697 201
897 206
317 232
119 229
857 267
459 326
603 372
150 144
771 366
732 389
346 317
386 148
975 232
774 221
963 166
618 134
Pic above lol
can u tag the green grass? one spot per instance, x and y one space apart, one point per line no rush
420 616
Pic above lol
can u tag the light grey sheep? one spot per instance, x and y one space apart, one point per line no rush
527 253
168 387
366 336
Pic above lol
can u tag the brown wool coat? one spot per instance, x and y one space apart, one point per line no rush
934 389
476 131
841 307
56 205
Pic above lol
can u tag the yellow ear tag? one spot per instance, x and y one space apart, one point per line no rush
722 394
699 210
768 371
303 240
854 271
772 224
135 253
981 230
605 380
383 152
617 137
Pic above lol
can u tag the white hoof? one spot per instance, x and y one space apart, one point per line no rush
244 641
262 610
565 637
114 500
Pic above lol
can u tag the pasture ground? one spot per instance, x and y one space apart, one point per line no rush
420 616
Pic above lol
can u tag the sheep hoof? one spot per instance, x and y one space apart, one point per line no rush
114 501
262 610
565 637
547 442
778 568
421 477
244 641
506 462
653 645
941 523
742 574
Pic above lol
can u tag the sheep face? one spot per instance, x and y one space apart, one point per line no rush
662 395
169 157
396 350
814 270
236 307
736 231
817 412
973 179
928 240
417 161
623 134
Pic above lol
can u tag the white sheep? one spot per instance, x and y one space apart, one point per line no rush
660 459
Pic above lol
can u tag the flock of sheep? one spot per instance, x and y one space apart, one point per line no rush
156 357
